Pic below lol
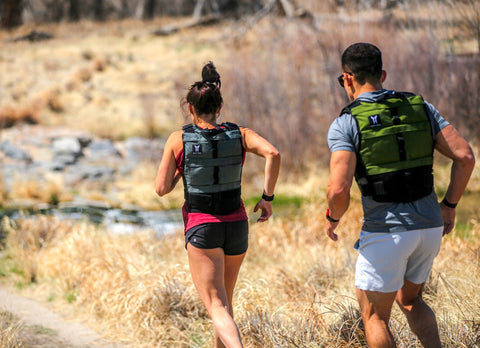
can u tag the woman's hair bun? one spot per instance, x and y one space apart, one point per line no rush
210 74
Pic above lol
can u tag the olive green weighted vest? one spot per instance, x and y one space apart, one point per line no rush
212 168
395 155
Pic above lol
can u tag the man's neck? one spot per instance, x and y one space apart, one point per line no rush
367 87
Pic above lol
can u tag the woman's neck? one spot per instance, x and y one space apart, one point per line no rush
209 122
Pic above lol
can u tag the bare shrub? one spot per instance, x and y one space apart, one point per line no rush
287 90
9 115
284 91
51 99
51 191
444 80
26 238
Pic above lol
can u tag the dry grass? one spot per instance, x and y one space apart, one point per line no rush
3 193
51 191
10 327
295 288
9 115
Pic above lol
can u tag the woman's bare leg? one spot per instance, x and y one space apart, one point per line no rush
211 271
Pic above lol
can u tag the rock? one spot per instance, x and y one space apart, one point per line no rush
102 150
61 161
89 172
66 151
14 152
137 149
66 146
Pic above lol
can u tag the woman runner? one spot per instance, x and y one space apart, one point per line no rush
209 157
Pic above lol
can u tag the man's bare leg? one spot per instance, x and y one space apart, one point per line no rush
376 309
420 316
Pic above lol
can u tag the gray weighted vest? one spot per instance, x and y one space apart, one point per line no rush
212 168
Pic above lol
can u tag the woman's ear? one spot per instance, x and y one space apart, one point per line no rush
219 108
190 108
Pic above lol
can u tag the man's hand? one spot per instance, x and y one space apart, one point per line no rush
448 215
331 226
265 207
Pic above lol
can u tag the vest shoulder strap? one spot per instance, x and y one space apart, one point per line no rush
189 128
230 126
349 107
391 94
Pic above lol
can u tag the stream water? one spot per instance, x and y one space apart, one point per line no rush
162 222
118 221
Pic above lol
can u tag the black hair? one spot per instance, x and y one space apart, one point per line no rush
364 61
205 95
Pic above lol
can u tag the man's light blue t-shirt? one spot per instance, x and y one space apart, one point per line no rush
388 217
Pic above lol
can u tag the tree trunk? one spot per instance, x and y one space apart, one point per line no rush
287 8
149 9
214 7
99 10
12 13
197 12
125 10
73 11
56 11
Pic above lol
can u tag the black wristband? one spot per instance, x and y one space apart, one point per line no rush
329 218
448 204
267 198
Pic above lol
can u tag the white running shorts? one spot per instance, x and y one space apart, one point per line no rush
386 259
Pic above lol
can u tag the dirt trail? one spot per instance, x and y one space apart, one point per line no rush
68 333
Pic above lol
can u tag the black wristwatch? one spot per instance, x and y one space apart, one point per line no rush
267 198
448 204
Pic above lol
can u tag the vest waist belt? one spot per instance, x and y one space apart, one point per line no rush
218 203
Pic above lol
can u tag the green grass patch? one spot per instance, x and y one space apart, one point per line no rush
463 230
279 201
70 296
38 329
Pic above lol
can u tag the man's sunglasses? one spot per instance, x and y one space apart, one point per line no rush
341 80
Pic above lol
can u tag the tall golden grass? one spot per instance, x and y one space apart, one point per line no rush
295 288
10 328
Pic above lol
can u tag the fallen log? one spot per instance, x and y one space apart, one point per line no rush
34 36
202 21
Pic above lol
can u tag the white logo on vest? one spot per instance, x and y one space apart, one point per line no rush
375 121
197 149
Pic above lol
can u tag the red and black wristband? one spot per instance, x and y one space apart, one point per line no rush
329 218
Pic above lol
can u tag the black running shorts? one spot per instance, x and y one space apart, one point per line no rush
232 237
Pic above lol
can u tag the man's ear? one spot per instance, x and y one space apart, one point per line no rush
384 75
219 108
348 79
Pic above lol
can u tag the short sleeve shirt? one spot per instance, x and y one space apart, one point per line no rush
388 217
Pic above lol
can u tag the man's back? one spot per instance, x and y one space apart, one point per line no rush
387 216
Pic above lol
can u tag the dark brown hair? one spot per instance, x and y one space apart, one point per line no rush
363 60
205 95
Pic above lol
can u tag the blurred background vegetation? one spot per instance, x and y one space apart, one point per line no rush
281 72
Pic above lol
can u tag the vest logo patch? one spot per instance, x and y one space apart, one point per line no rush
375 121
197 149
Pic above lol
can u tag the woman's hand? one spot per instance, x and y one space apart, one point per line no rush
266 208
